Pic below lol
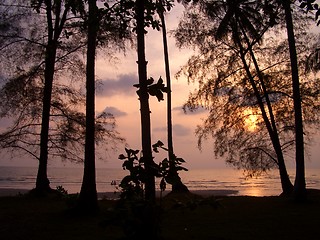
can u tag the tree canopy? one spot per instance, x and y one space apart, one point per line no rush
235 119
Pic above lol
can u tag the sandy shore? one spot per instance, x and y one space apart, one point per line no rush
204 193
114 195
12 192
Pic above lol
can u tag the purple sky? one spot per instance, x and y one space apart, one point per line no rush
116 94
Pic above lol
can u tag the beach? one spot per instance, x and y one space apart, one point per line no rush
6 192
181 217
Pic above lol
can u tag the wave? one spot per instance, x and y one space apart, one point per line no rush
208 179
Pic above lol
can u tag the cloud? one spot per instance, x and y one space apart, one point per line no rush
181 130
198 111
115 112
122 85
178 130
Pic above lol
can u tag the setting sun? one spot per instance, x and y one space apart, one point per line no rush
251 120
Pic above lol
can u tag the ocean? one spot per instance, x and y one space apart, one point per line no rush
228 180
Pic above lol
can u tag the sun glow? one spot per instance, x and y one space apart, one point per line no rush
251 120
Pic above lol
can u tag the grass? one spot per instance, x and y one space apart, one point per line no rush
237 217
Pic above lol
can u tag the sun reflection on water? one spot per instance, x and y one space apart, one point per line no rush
253 191
255 186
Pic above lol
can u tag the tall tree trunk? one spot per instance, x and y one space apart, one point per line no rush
300 183
286 184
42 182
55 25
285 181
144 104
88 200
177 185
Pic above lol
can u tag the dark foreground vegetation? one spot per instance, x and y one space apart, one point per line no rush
181 217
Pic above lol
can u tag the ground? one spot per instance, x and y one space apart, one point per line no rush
179 217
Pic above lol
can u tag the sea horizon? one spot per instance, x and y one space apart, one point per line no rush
215 179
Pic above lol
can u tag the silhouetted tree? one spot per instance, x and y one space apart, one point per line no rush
22 91
144 102
244 23
20 103
300 183
177 185
105 26
56 13
88 195
196 29
56 16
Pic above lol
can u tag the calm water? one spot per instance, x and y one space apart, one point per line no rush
206 179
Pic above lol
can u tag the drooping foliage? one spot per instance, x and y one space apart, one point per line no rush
25 70
235 117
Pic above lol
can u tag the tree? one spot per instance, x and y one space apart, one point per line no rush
45 49
105 26
22 93
56 16
238 97
239 15
300 183
144 102
177 185
243 20
88 195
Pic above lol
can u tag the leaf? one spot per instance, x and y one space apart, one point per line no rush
179 168
135 152
152 90
159 96
122 157
165 164
159 143
127 165
165 89
150 81
127 151
180 160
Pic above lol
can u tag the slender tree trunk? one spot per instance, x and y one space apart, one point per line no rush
284 177
177 185
55 25
88 200
144 104
285 181
42 182
300 183
168 77
286 184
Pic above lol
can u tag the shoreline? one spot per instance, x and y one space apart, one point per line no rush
7 192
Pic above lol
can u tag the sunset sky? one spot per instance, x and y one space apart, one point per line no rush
118 96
